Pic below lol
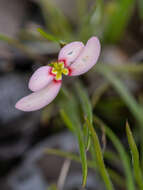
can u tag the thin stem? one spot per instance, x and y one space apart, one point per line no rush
63 174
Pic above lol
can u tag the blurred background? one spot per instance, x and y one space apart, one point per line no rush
114 87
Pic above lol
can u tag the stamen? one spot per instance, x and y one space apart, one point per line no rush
58 68
63 61
65 71
51 73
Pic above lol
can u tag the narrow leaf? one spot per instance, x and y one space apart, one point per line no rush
134 107
135 157
99 157
66 120
84 100
50 37
82 155
127 97
117 16
55 20
123 155
91 164
71 119
87 110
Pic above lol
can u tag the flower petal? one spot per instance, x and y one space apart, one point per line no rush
40 78
87 58
70 52
39 99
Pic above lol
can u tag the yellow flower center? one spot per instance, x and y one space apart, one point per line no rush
59 69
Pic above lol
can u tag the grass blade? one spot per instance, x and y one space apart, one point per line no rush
84 101
118 14
135 157
91 21
55 20
67 121
87 110
91 164
124 157
130 101
71 119
49 36
99 157
119 181
82 155
123 92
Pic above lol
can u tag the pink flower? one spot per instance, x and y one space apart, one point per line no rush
74 59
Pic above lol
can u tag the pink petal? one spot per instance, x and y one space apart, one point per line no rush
70 52
87 58
40 78
39 99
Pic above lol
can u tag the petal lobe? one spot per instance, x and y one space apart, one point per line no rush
70 52
39 99
40 78
87 58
